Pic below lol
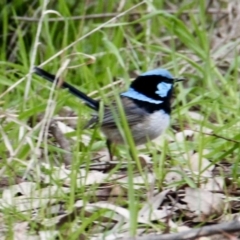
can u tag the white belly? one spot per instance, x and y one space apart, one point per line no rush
153 126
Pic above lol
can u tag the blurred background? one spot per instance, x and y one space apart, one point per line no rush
101 46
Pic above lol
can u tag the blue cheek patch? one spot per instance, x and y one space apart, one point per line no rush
131 93
163 89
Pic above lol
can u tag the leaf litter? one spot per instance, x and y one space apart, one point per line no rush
173 204
194 193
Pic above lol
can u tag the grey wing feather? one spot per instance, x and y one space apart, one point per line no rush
132 112
92 122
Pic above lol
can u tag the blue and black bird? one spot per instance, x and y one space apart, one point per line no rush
147 106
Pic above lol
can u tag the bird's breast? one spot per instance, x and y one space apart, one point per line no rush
152 127
147 128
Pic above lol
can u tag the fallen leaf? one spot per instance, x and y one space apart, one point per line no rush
139 181
214 184
198 163
203 202
174 175
182 136
148 211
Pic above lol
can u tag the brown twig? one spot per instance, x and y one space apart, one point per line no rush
227 227
62 141
109 15
217 136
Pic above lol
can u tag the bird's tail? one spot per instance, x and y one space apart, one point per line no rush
50 77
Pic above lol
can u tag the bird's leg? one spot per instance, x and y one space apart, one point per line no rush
109 147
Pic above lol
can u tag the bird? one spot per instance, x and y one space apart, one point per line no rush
146 104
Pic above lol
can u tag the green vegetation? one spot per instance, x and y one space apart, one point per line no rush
191 39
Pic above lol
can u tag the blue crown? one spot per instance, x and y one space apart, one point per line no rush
158 72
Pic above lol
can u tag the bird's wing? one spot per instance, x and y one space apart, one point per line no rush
92 122
133 113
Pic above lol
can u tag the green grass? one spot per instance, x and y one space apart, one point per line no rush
183 41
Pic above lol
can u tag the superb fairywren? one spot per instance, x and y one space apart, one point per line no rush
146 105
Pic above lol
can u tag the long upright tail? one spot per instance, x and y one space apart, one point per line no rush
50 77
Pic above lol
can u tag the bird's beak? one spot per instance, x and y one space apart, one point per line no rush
179 79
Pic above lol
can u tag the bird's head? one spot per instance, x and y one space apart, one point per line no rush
154 86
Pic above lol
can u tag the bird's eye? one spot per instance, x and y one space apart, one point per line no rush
163 89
